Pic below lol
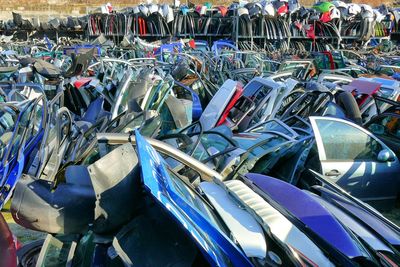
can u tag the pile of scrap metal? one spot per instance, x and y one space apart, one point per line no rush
180 153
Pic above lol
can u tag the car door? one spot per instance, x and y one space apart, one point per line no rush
212 113
25 139
356 160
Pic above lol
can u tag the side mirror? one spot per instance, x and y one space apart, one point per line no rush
385 155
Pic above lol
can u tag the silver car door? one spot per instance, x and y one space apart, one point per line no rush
356 160
210 116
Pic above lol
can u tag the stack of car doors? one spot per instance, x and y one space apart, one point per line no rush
235 154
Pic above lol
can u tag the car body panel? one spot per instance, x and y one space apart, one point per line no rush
276 223
215 108
245 229
265 105
197 109
159 184
352 224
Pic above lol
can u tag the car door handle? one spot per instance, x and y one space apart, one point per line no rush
332 173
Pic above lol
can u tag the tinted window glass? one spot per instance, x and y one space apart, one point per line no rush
158 95
294 65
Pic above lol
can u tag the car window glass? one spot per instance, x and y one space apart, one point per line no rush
158 95
273 126
332 109
261 94
30 120
387 70
132 124
93 156
366 103
388 126
322 61
385 92
16 143
275 142
304 107
254 94
252 88
7 122
294 65
210 144
125 96
181 92
38 117
83 255
56 251
127 90
337 81
342 141
269 66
